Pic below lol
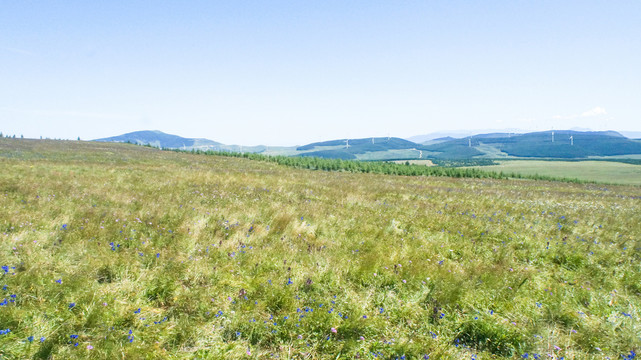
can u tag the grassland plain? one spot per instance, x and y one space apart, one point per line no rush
119 251
599 171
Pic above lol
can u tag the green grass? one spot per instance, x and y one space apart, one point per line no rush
202 256
599 171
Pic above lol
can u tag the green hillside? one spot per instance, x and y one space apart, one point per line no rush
350 148
116 251
601 171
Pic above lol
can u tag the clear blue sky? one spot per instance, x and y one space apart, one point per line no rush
293 72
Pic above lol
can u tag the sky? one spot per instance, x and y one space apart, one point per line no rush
294 72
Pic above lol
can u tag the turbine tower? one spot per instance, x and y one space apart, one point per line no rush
552 136
571 140
347 144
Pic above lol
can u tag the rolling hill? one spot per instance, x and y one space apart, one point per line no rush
567 144
352 148
564 144
162 140
120 251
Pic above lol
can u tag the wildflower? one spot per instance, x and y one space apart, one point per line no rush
30 338
334 330
71 306
89 347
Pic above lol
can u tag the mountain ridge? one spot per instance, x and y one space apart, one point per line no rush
561 144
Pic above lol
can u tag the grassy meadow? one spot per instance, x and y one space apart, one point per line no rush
114 251
599 171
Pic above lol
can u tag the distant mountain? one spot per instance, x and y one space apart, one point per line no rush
547 144
458 134
160 139
565 144
351 148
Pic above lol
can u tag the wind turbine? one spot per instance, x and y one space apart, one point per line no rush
347 144
372 140
571 140
469 142
552 136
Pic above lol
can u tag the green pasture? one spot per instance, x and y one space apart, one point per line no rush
600 171
116 251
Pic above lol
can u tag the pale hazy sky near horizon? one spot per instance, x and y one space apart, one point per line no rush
294 72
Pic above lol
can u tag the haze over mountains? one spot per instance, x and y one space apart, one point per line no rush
561 144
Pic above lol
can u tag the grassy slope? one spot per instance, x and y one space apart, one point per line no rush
225 258
602 171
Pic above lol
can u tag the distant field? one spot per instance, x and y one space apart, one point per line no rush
602 171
